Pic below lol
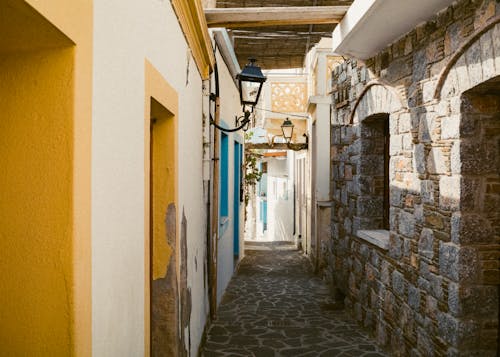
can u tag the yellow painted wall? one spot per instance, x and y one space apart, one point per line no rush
45 152
36 151
163 184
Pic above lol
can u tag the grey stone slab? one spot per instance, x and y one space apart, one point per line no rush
275 306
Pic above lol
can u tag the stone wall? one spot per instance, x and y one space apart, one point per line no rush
429 286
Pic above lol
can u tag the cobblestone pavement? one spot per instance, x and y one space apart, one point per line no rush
275 306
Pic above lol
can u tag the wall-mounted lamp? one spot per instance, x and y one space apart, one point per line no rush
287 129
250 82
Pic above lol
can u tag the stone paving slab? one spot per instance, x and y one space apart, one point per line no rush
276 306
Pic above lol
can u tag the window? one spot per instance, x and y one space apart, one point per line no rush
373 204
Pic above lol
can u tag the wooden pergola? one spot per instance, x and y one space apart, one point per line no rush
279 33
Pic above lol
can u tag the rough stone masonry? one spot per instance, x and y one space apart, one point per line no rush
425 279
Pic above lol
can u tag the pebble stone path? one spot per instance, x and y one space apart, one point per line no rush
276 306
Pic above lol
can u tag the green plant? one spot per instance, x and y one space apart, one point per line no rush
252 172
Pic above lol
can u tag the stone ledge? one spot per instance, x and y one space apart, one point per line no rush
378 237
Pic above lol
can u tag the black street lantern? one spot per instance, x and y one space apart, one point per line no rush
287 129
251 81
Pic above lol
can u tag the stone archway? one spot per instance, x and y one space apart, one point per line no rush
475 62
376 98
470 85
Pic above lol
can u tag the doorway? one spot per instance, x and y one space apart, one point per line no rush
480 216
164 297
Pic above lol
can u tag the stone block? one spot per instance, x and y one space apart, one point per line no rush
407 142
396 145
436 286
396 197
385 273
428 89
348 225
452 39
419 160
393 218
419 65
389 303
487 55
470 201
381 333
473 58
495 35
448 260
431 306
471 228
395 247
426 243
449 192
398 343
407 248
425 343
347 135
434 220
458 333
462 74
427 191
405 123
443 108
414 297
375 259
398 283
398 69
450 127
475 300
407 224
436 161
455 160
336 136
459 264
427 126
393 125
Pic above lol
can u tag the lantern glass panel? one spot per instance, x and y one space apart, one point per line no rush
287 132
250 91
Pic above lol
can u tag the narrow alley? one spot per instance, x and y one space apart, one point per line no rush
276 306
188 178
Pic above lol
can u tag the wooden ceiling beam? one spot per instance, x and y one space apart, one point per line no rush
274 16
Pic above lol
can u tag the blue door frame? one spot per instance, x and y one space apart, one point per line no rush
236 204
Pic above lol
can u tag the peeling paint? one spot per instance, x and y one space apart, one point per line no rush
186 302
165 299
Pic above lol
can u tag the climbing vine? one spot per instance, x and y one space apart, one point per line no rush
252 172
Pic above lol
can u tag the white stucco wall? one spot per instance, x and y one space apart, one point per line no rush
229 107
125 34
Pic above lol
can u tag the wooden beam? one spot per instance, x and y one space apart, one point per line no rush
237 17
276 146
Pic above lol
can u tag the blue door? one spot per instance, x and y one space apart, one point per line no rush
236 204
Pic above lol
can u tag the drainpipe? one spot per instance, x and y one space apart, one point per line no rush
214 227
